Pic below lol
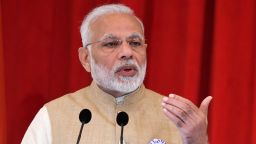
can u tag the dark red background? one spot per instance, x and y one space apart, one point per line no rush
196 48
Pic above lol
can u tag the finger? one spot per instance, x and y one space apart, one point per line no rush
183 100
176 120
205 104
179 113
181 105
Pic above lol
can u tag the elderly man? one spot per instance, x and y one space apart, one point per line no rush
114 51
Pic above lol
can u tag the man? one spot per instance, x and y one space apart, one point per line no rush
114 51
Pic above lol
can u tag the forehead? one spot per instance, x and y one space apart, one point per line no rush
121 25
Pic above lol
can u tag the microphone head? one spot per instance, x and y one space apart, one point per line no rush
122 118
85 116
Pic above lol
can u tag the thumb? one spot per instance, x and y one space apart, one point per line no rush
205 104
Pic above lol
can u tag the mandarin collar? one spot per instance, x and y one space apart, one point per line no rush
104 98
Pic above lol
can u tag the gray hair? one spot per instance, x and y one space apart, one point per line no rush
99 11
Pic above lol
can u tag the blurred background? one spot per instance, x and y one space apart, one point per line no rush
196 48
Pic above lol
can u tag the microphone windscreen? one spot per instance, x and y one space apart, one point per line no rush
122 118
85 116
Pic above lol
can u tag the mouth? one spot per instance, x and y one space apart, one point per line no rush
127 71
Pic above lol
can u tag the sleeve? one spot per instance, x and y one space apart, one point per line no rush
39 131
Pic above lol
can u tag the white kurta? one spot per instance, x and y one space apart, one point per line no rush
39 131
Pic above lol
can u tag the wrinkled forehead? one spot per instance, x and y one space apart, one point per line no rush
117 24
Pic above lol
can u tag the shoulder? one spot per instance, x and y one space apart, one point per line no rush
152 93
68 99
153 96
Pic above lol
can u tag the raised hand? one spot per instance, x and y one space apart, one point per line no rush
190 120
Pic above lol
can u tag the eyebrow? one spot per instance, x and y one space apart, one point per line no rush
136 35
132 36
105 36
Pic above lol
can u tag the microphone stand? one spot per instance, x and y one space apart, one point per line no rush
80 133
121 137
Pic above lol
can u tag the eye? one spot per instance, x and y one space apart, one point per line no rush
135 43
111 44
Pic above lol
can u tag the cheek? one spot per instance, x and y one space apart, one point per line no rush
142 58
106 61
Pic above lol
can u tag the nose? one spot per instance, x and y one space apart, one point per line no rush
125 51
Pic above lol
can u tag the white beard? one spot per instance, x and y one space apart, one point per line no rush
124 84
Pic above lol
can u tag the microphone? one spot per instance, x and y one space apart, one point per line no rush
84 116
122 120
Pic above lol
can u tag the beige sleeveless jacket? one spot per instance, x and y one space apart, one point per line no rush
146 119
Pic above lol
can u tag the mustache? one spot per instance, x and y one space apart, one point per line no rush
131 64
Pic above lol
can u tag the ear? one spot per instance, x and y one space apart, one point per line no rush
84 58
146 46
